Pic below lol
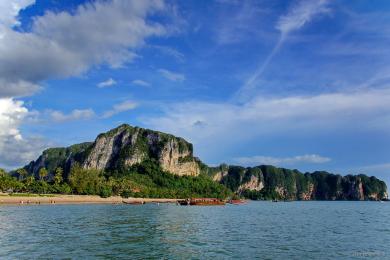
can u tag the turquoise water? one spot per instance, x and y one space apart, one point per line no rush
264 230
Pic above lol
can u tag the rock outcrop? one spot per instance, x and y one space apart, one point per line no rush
122 147
268 182
125 146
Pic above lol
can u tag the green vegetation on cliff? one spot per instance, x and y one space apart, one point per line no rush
279 183
133 161
145 179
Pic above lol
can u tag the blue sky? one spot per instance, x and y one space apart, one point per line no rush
298 84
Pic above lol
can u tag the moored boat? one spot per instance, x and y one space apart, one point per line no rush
134 202
237 202
201 202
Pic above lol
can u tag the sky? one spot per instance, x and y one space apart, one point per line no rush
296 84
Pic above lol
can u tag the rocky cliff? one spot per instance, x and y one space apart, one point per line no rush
122 147
125 146
268 182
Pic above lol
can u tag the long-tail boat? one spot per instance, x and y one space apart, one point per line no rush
237 202
201 202
134 202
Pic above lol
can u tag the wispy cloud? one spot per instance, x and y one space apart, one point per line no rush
172 76
76 114
119 108
278 161
140 82
169 51
107 83
84 114
298 15
263 118
238 26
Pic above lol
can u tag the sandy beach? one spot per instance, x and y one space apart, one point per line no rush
74 199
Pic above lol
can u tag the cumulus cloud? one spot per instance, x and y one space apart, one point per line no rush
119 108
14 149
108 83
11 114
140 82
258 160
63 44
76 114
172 76
9 10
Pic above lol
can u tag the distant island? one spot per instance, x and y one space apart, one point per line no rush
136 162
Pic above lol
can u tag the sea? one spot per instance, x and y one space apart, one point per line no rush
256 230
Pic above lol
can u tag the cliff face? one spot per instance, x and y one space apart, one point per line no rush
268 182
123 147
58 157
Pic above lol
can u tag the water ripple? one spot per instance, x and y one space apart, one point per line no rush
260 230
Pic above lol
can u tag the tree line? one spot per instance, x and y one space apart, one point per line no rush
146 179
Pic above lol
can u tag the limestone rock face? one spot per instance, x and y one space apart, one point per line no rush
125 146
356 190
308 195
266 181
219 175
178 162
254 184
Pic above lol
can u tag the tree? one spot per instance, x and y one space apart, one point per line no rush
85 181
22 173
30 181
43 173
58 175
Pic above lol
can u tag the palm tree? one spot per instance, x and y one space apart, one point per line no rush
22 173
30 180
43 173
58 175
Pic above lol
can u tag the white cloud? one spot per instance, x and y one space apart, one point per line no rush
238 26
119 108
140 82
170 52
299 15
108 83
277 161
9 10
83 114
62 44
172 76
14 149
11 114
76 114
227 124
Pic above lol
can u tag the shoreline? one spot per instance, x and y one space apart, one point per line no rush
53 199
75 199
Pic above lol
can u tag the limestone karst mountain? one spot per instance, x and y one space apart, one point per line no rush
126 146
